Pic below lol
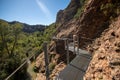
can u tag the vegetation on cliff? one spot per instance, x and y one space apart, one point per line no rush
16 45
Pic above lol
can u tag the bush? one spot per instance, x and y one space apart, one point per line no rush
80 10
35 69
51 66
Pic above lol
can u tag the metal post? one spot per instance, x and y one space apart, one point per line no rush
55 47
46 60
67 51
65 44
34 57
74 39
78 44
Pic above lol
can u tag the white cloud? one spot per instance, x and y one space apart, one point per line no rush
44 9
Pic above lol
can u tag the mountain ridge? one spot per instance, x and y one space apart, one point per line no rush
28 28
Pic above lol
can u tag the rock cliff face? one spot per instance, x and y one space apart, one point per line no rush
63 16
93 20
105 64
96 16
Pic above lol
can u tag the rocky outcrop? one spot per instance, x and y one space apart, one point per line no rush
92 21
96 16
105 64
63 16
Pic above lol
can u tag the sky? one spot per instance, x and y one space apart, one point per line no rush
31 11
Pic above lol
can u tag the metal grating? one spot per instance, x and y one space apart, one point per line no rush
76 69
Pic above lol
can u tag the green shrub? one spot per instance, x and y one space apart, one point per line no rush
35 69
51 66
110 9
80 10
78 13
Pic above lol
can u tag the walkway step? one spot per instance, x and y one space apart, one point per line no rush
70 73
81 62
76 69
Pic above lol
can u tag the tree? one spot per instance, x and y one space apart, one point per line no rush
3 32
9 36
16 31
6 31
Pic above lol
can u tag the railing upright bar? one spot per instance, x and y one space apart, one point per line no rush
78 43
74 39
46 60
67 46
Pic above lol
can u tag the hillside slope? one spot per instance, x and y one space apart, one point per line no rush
93 18
105 64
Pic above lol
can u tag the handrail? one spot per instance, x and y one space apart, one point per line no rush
87 38
19 67
71 39
16 70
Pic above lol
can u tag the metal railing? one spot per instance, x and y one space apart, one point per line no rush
25 62
75 41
